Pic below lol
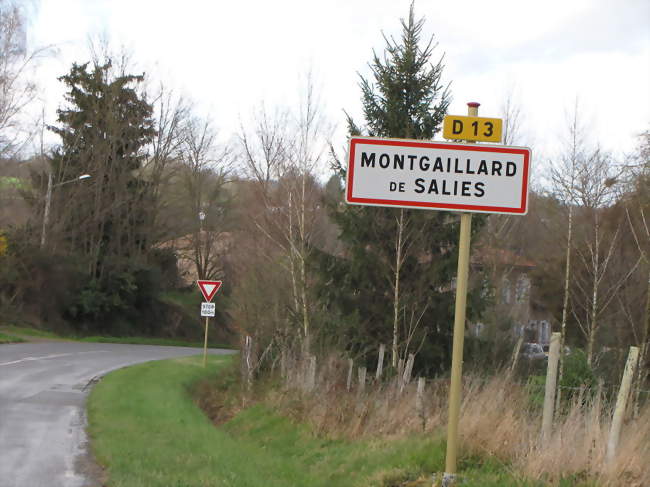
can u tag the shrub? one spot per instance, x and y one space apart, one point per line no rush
122 301
535 389
4 244
54 290
577 375
35 282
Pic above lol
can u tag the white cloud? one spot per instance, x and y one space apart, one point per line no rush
231 55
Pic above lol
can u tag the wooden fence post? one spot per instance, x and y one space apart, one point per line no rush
400 375
621 403
248 347
419 402
283 364
409 368
515 355
311 374
406 378
362 379
350 367
380 361
549 391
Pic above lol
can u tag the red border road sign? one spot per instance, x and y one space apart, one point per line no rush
209 288
438 175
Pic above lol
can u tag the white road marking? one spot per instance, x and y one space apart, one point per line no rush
45 357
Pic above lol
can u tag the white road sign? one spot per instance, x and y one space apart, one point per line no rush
207 309
438 175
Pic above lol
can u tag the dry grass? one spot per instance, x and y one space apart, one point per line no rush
497 420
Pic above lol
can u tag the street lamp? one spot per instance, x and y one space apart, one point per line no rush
48 201
201 218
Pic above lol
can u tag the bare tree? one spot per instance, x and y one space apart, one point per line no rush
172 113
594 291
644 338
397 269
268 268
17 86
204 178
282 155
584 179
637 205
563 176
498 239
409 307
264 152
313 132
512 116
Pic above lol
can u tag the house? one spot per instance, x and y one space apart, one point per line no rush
508 276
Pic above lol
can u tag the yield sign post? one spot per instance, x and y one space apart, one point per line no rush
208 289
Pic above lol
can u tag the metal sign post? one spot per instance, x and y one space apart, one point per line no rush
205 343
455 388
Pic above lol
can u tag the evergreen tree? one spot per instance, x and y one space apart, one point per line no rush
407 99
393 283
103 133
105 221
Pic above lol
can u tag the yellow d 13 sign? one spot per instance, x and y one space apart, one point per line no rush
457 127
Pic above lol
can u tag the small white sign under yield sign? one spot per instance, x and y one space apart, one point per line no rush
208 309
438 175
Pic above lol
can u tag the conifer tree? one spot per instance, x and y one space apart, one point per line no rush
103 130
393 283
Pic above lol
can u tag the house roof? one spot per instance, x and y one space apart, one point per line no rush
186 243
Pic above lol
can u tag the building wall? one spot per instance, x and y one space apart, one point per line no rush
512 303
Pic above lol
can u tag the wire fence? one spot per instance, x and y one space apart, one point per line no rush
603 386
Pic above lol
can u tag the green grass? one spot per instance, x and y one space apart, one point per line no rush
20 333
9 338
168 342
185 301
27 332
147 431
189 301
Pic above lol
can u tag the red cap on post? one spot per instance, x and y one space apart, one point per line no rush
473 104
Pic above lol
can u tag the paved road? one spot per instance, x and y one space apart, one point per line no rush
43 389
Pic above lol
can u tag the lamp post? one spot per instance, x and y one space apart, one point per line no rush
48 201
201 218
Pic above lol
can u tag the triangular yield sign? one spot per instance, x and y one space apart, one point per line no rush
208 288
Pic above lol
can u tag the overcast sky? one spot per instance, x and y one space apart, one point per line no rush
231 55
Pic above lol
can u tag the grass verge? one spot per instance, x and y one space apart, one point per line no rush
189 301
147 431
22 333
4 338
166 342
